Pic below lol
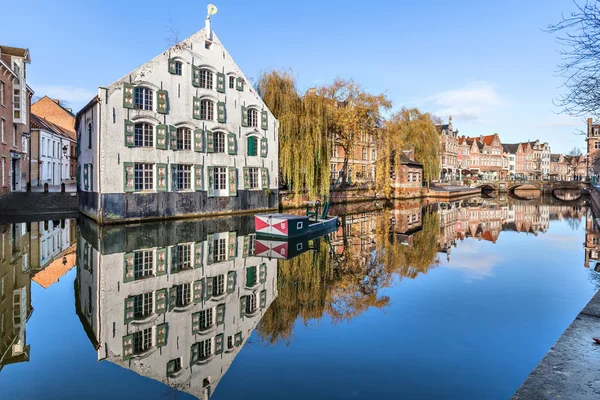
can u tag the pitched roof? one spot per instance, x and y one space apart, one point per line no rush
511 148
42 123
487 140
15 51
405 160
554 157
56 269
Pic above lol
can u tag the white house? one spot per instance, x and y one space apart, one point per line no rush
178 309
183 134
51 159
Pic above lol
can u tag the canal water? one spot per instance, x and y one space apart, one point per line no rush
455 300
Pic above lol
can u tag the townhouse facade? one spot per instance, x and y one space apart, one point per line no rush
361 163
51 151
184 134
449 149
179 307
593 148
541 159
15 104
406 174
483 157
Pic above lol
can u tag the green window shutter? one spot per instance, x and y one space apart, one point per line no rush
231 281
172 69
263 299
86 257
220 317
211 182
219 343
264 177
160 301
174 169
162 98
195 323
220 82
128 267
129 129
173 137
232 181
129 309
263 147
264 120
162 331
127 95
243 301
251 276
238 339
91 175
127 347
128 177
251 145
198 145
210 142
262 273
195 76
239 84
174 259
86 177
194 353
232 246
197 291
221 112
198 177
246 173
231 144
196 108
161 177
171 367
161 136
246 249
198 253
209 288
172 297
161 261
244 116
210 244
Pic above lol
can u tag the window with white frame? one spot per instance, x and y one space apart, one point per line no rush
142 340
206 319
2 93
205 349
220 249
182 176
2 127
364 153
143 98
218 285
184 139
253 175
184 257
220 178
207 110
144 135
252 117
144 176
142 305
143 264
17 103
206 79
251 304
183 295
218 142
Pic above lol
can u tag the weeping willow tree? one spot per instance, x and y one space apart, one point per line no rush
303 141
408 127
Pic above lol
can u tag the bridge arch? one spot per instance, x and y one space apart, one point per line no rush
567 193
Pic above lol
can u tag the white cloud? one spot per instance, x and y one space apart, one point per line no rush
475 101
74 97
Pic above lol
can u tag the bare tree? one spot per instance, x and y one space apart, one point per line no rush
575 161
172 33
580 67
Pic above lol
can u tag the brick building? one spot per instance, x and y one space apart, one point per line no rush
406 174
483 157
51 150
448 152
593 147
361 163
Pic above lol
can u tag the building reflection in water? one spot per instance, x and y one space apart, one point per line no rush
28 251
173 301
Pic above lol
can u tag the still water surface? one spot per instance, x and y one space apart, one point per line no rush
453 300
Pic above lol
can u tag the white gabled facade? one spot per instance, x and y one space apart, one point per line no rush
183 134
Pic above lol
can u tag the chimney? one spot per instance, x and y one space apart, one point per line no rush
57 101
589 126
411 153
208 29
481 138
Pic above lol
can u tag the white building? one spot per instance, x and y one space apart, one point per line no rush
52 157
183 134
178 309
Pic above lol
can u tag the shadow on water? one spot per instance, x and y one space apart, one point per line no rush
567 194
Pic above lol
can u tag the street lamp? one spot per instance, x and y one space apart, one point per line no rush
64 150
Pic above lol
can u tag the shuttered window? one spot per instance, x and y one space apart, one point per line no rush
142 98
218 142
178 68
206 319
183 295
182 177
207 110
143 264
142 340
253 178
251 276
219 285
144 176
252 145
144 135
251 304
205 349
220 250
232 82
143 305
252 117
181 257
206 79
184 139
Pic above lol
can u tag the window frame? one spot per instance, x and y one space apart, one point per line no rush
252 118
143 264
143 98
206 78
146 182
207 110
254 178
143 134
219 142
184 177
184 138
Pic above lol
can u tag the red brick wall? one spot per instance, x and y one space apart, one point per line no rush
6 114
48 109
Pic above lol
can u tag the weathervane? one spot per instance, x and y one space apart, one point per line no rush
212 10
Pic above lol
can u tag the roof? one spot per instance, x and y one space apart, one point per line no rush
14 51
555 157
480 145
56 269
487 140
511 148
67 110
89 105
42 123
405 160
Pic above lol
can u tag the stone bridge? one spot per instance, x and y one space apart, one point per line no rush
546 187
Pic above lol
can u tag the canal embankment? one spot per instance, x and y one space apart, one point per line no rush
31 206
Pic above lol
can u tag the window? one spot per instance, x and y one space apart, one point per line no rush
142 98
183 295
230 344
596 145
218 142
207 109
89 129
232 82
252 117
17 103
206 79
142 340
205 347
2 126
142 304
219 285
182 177
364 153
251 276
174 366
143 264
220 181
2 172
144 176
251 304
2 94
184 258
184 139
144 135
252 145
372 154
220 249
253 173
178 68
206 319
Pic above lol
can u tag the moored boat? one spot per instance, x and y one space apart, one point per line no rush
290 226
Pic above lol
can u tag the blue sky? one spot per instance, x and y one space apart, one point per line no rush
487 63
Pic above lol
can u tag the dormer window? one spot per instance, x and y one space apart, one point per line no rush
206 79
142 98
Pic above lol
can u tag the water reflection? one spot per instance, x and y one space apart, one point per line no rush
28 251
